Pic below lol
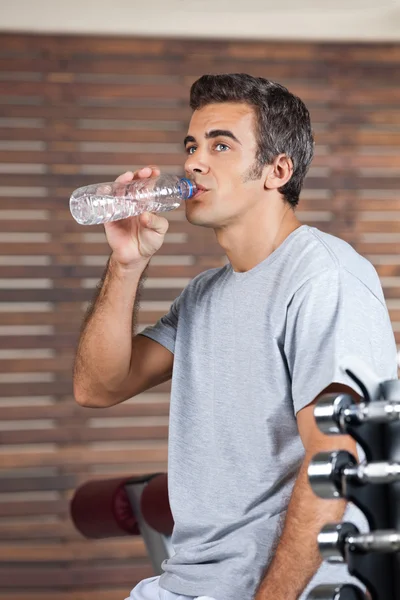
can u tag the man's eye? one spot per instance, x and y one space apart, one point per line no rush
224 145
189 149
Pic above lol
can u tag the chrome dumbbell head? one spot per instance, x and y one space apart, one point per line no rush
336 592
325 473
332 541
328 410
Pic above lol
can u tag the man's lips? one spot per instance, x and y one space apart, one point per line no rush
200 190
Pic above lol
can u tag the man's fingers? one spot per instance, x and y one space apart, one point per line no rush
125 177
143 173
155 170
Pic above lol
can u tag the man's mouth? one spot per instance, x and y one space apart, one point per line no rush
200 190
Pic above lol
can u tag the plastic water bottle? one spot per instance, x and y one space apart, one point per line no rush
104 202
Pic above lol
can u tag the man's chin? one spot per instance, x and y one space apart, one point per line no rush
197 220
198 217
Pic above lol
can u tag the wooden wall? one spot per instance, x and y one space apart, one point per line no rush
79 110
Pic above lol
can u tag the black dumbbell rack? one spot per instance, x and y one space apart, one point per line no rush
380 572
380 503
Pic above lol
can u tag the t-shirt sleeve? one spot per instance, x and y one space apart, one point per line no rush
164 331
332 316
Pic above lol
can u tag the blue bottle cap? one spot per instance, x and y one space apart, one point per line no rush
191 188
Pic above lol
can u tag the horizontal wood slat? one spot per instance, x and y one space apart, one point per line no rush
124 549
76 110
54 577
83 434
76 594
76 136
77 455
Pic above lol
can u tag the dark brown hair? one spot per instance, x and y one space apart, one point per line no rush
283 123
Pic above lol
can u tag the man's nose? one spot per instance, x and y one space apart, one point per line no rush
196 165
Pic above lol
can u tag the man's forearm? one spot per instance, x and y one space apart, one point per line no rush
297 557
105 346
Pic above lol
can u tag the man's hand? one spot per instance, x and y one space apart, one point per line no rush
134 240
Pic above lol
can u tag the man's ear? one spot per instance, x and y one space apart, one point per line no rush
279 173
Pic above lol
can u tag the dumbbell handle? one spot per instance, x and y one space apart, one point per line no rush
337 540
329 473
375 472
372 412
334 413
379 541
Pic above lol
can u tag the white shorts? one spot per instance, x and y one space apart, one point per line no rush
148 589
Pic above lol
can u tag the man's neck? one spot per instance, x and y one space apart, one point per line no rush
246 244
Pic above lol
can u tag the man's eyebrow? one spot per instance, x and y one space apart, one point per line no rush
213 134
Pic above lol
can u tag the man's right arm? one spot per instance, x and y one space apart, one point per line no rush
112 363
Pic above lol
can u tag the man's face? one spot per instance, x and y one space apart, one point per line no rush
221 149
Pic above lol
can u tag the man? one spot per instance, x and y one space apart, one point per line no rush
249 347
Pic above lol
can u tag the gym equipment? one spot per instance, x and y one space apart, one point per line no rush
336 592
130 506
336 540
373 485
330 472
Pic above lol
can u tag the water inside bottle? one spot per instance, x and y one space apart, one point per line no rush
95 210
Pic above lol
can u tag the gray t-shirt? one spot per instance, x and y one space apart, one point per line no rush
250 350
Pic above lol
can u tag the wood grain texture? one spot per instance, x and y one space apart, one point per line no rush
76 110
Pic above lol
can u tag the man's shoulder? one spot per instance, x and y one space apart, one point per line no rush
346 258
330 250
323 253
331 259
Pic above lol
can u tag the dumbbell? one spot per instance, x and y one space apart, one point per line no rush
336 540
335 412
336 592
330 472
